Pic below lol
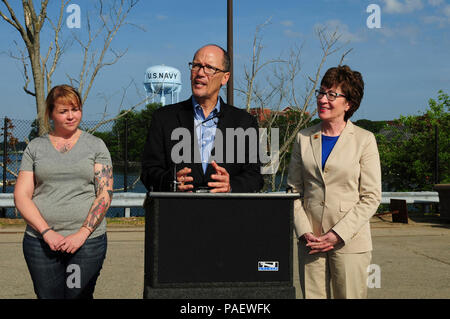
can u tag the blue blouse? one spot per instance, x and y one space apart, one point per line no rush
328 143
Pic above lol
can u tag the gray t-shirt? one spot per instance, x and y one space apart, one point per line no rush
64 182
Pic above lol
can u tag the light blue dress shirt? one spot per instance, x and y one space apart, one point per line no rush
206 132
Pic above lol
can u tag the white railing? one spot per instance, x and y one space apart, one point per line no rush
411 197
127 200
119 200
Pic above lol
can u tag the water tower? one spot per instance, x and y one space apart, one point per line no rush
162 80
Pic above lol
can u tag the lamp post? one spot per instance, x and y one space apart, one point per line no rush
230 88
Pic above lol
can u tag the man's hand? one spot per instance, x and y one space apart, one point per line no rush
222 180
182 178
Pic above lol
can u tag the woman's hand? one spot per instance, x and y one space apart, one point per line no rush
73 242
323 243
53 239
309 237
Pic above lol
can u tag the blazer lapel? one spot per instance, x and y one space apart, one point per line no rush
221 126
316 144
340 146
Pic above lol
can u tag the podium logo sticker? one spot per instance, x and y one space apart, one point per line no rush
268 265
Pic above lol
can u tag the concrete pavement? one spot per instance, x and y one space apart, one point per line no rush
411 261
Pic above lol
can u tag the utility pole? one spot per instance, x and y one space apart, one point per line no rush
230 88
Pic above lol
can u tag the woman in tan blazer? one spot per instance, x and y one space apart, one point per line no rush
335 165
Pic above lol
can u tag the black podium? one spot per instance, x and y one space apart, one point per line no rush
224 246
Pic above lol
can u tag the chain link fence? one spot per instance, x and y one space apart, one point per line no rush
412 159
118 134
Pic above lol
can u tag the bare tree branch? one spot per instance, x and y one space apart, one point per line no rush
58 50
131 109
13 20
328 42
280 91
23 60
343 56
255 65
92 61
44 66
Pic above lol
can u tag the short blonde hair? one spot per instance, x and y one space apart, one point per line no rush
63 93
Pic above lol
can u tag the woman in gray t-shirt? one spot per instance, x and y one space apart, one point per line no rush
63 191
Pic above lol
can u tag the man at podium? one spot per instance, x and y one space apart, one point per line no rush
203 144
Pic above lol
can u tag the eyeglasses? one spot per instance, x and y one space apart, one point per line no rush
331 96
208 69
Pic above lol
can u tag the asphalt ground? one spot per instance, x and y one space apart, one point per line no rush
410 261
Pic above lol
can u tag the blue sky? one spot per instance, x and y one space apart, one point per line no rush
403 63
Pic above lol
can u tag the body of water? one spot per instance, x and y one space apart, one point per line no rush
133 186
118 186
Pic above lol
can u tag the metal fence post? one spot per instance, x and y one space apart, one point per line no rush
5 155
125 164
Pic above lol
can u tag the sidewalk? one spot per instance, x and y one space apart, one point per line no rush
414 260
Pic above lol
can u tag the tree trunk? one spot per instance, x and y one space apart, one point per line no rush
39 84
34 25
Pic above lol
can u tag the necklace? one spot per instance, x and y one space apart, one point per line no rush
62 144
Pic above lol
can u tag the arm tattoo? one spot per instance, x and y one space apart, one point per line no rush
103 182
103 178
97 213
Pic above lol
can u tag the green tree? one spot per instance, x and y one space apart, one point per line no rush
407 148
34 132
372 126
138 123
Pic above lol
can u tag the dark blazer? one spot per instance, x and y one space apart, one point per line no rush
158 167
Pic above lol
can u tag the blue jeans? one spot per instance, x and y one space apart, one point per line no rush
60 275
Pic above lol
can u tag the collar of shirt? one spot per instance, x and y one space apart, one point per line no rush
198 110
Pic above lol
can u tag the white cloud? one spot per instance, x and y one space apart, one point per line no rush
292 34
447 11
408 32
405 6
287 23
343 30
289 32
435 3
441 20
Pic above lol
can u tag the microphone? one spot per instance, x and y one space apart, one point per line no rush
218 115
175 182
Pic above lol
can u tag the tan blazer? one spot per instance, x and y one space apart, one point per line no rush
343 196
